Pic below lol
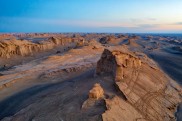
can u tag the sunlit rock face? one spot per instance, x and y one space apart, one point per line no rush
95 101
112 40
11 47
147 89
117 63
96 92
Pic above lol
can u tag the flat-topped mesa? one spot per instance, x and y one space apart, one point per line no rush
149 91
117 62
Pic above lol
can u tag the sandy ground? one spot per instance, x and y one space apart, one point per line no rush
56 85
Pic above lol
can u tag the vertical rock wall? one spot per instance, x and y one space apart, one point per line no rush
9 48
147 89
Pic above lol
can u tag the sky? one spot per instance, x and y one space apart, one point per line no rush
110 16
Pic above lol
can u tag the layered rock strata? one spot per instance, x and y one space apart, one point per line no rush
149 93
12 47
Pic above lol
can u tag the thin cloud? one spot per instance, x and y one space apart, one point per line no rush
152 19
134 20
87 25
148 25
178 23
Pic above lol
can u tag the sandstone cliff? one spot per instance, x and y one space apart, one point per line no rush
150 94
11 47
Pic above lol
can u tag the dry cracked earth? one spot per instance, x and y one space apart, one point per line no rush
90 77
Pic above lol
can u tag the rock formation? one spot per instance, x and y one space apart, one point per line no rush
98 78
120 110
81 43
111 40
96 92
24 47
149 93
96 95
118 63
131 42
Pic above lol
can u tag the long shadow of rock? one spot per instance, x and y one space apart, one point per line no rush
170 66
15 103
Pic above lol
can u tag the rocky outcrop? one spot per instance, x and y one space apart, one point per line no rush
132 43
72 69
118 63
81 43
95 44
111 40
96 95
148 91
12 47
96 92
6 37
120 110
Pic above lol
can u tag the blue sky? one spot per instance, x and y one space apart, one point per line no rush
135 16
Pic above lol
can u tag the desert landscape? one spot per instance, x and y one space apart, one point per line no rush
90 77
90 60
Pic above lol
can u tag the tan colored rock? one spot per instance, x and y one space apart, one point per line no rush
111 40
24 47
131 42
96 97
117 63
95 44
81 43
96 92
147 89
120 110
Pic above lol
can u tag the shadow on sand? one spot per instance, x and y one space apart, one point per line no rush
15 103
